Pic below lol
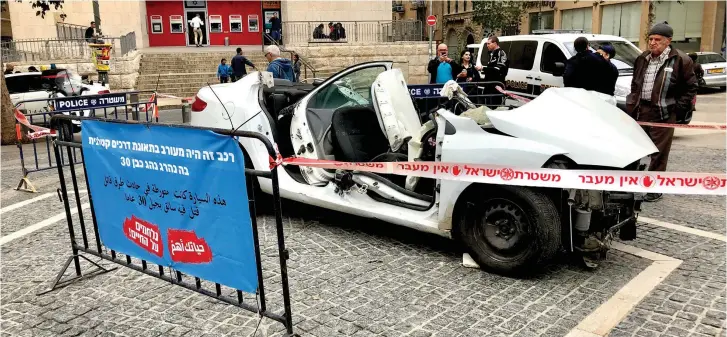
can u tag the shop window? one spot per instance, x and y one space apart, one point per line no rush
235 23
215 23
176 24
253 23
156 24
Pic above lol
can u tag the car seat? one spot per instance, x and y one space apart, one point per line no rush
356 134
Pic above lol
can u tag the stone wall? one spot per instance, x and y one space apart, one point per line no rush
122 76
410 57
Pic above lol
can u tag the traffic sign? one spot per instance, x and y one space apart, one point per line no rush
431 20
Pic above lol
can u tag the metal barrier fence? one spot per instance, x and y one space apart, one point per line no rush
39 112
427 97
297 32
29 50
93 245
69 31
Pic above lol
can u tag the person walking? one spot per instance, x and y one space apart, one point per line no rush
275 27
223 71
196 23
609 82
296 67
280 67
238 63
442 68
662 90
586 70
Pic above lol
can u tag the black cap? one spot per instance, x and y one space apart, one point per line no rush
662 29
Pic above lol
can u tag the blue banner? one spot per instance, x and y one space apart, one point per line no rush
89 102
174 197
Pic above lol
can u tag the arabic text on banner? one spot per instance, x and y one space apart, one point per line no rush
174 197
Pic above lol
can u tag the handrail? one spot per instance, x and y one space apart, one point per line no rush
305 63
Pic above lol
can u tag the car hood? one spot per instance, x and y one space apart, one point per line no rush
592 131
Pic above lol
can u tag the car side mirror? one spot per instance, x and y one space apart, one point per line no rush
559 69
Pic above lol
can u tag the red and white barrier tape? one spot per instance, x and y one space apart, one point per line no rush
38 131
622 181
722 127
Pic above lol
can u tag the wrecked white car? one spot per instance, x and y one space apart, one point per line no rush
365 114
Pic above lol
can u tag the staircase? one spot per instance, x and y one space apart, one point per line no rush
183 74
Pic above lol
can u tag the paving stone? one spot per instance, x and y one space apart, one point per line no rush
358 277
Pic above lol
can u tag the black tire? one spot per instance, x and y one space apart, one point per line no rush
527 235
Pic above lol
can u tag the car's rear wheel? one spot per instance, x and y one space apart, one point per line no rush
509 230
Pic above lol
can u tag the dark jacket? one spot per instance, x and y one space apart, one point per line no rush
471 72
587 70
497 67
296 70
672 94
434 64
282 68
238 63
609 82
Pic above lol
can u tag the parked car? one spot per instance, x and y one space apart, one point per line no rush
537 62
714 66
365 114
37 86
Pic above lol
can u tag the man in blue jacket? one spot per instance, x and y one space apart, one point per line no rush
279 66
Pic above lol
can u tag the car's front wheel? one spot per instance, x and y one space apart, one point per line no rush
509 230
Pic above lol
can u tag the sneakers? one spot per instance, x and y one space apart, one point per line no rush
653 197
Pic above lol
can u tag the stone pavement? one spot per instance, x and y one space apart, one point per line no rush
357 277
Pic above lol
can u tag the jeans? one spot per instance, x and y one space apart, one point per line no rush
224 79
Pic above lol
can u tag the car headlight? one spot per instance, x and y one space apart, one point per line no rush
621 91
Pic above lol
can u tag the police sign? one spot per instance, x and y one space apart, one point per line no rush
89 102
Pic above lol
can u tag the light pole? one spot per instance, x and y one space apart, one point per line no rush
431 29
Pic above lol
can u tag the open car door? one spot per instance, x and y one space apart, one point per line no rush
347 96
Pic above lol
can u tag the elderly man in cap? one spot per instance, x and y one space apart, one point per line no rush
662 90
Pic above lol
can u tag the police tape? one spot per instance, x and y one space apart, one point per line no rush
616 181
722 127
38 131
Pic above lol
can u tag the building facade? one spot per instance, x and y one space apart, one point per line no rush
698 25
165 22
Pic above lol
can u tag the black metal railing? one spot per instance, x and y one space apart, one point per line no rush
352 31
69 31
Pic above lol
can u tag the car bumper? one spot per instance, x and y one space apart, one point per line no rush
716 80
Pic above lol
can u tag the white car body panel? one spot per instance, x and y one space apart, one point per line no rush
539 129
716 79
593 131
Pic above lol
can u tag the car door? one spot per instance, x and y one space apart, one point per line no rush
17 87
521 75
549 75
36 91
311 122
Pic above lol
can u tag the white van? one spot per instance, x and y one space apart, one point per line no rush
537 62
